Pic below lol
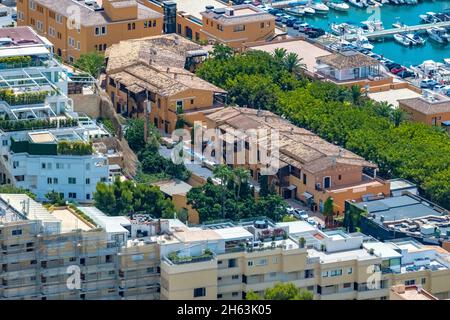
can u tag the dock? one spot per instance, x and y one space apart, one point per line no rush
389 32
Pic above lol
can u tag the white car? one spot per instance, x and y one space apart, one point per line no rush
311 221
300 214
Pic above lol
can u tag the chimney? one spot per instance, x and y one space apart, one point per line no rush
168 69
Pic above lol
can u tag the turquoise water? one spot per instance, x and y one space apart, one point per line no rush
408 14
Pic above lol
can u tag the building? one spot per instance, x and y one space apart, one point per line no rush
46 146
77 27
217 21
63 256
400 186
149 76
225 261
431 108
402 292
351 68
176 190
407 215
310 169
7 14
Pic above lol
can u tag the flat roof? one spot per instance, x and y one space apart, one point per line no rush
382 250
36 210
397 208
69 221
174 186
348 255
392 96
41 137
307 52
399 184
194 7
296 227
110 224
20 36
234 233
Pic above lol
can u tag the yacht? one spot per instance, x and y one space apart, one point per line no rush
403 40
373 25
399 25
358 3
418 40
319 7
363 42
296 11
309 10
339 6
343 28
429 17
439 35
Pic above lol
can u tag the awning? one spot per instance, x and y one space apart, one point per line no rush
307 195
291 187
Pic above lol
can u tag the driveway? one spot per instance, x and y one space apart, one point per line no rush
315 215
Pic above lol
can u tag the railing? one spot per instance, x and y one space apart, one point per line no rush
186 260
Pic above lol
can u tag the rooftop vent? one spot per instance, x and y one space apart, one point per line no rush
261 224
209 8
230 12
219 11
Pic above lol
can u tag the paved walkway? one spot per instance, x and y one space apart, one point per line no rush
299 205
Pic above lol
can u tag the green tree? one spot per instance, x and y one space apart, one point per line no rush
240 176
221 51
91 62
397 116
282 291
292 63
328 211
55 198
105 199
288 218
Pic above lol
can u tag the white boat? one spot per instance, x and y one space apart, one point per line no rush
296 11
363 42
358 3
399 25
339 6
384 1
439 35
418 40
395 1
403 40
429 17
343 28
319 7
447 61
309 10
373 25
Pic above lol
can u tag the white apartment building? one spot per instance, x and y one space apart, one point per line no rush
38 128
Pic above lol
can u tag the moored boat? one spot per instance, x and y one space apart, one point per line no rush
339 6
319 7
403 40
438 34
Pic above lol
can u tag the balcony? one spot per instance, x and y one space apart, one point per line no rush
174 258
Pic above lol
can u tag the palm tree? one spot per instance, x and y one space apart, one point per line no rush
384 109
224 173
279 54
292 62
398 116
240 176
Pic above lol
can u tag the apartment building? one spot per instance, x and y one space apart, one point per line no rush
62 256
149 77
45 146
225 261
217 21
76 27
309 168
431 108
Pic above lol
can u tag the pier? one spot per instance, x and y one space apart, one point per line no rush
389 32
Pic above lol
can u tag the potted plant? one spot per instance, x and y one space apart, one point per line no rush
302 242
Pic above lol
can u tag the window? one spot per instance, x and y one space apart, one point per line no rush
235 277
275 260
43 165
340 177
350 270
72 195
324 274
219 296
335 273
59 165
39 25
232 263
71 42
19 178
235 294
17 232
20 15
199 292
262 25
220 27
88 196
40 9
88 181
51 14
72 180
15 164
304 178
49 180
239 28
261 262
100 31
78 45
59 35
347 285
103 179
52 32
250 263
33 5
272 275
410 282
59 18
423 281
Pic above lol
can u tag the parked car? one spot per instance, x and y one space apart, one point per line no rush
428 84
290 22
397 70
311 221
300 214
405 74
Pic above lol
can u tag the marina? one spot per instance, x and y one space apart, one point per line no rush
348 23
